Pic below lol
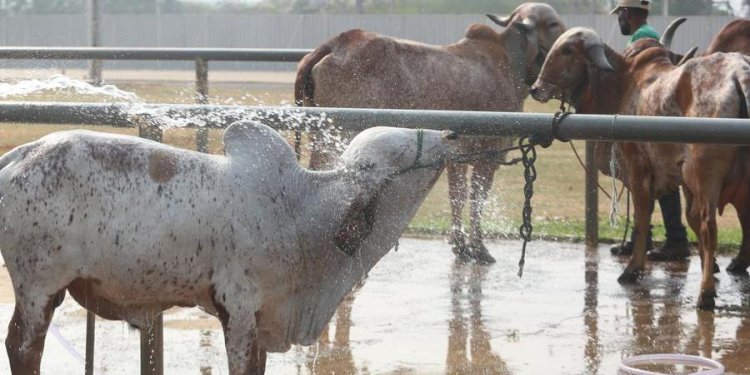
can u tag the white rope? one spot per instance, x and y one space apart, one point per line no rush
615 209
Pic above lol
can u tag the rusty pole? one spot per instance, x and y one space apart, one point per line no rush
592 198
95 40
201 97
90 338
152 347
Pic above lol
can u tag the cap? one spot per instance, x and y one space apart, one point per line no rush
643 4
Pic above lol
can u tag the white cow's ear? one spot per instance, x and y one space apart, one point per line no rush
356 225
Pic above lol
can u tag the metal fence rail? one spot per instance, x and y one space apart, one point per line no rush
574 126
206 54
201 56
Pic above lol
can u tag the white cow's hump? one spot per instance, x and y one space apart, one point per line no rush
253 147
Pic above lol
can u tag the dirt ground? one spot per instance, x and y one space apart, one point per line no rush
420 312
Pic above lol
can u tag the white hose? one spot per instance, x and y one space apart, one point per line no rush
710 366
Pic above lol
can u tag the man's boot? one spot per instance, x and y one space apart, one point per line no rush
627 248
670 250
676 246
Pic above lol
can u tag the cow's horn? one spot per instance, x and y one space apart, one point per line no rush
502 21
689 55
596 54
666 39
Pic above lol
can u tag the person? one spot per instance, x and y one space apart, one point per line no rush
632 16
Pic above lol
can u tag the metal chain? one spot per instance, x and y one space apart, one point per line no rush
528 157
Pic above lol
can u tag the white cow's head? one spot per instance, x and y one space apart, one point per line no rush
390 165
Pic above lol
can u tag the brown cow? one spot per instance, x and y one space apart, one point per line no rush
583 70
733 37
485 71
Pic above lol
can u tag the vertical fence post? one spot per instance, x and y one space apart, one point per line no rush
592 198
95 78
152 344
152 347
201 97
95 40
90 336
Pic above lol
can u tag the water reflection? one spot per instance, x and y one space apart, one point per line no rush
334 357
734 354
469 349
593 350
655 305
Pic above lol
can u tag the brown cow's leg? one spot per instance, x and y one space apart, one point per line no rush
704 172
739 264
708 244
481 182
692 213
27 331
457 192
643 201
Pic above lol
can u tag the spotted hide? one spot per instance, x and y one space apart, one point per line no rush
131 227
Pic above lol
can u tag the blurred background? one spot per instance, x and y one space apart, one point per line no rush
306 23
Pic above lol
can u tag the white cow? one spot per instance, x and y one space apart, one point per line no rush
131 227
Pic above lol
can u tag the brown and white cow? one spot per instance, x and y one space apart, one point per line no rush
584 71
485 71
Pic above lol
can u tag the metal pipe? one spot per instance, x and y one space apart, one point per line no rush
213 54
90 338
152 347
95 40
591 198
201 97
584 127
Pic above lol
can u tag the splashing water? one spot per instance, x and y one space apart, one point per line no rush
64 84
173 116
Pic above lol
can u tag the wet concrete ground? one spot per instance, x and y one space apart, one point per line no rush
420 312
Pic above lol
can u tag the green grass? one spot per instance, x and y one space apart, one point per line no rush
558 208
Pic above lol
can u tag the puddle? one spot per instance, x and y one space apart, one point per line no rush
420 312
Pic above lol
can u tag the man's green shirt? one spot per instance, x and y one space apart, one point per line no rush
645 31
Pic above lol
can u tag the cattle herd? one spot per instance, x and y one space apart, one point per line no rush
271 248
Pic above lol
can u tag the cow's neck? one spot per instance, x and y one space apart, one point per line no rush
515 60
603 91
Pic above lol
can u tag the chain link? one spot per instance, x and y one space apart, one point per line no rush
528 157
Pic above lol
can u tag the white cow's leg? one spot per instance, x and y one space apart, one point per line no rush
457 193
237 309
28 329
243 354
481 182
